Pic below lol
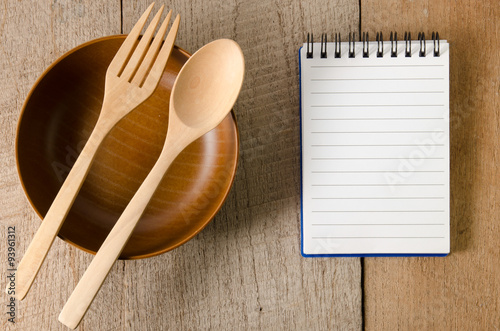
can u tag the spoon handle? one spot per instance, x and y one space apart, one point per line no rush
42 241
93 278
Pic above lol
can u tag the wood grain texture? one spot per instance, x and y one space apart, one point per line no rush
461 291
244 271
32 35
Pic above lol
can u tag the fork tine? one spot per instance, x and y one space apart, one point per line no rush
141 49
123 53
161 61
148 61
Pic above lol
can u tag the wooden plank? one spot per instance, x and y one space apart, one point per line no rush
244 271
461 291
32 35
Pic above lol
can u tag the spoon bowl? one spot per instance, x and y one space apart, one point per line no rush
210 81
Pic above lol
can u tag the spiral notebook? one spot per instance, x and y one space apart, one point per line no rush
375 147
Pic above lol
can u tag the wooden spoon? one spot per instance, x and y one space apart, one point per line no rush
203 94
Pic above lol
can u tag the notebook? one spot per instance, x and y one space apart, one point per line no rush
375 147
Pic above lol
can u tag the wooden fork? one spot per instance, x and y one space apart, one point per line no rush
131 78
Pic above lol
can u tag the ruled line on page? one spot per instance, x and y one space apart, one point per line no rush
341 237
419 184
372 79
378 224
373 171
377 158
377 119
378 66
377 198
380 105
377 92
426 131
378 211
379 145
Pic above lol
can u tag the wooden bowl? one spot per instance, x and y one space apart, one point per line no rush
56 121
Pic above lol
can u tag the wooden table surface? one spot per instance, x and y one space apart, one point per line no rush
244 271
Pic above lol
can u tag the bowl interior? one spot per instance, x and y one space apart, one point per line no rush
56 121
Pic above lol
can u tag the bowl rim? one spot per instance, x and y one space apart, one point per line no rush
33 206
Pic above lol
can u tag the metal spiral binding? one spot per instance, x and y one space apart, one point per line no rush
323 45
435 38
337 50
394 44
380 45
365 44
408 44
351 39
309 50
423 47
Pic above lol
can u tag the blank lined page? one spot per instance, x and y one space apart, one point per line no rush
375 152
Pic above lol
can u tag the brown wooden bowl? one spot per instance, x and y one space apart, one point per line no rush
56 121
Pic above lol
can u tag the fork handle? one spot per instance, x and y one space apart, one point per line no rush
42 241
93 278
